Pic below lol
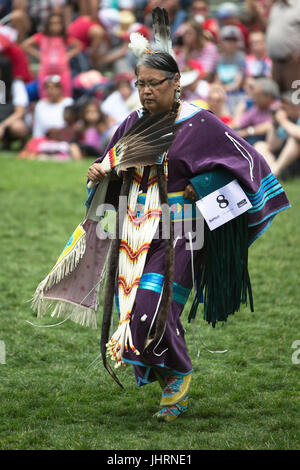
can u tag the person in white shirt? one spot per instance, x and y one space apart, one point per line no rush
14 102
122 100
49 112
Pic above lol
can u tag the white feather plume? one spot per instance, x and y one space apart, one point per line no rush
138 44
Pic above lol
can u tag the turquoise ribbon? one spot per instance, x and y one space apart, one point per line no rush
155 282
180 208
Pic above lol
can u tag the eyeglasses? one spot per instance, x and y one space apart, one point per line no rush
152 84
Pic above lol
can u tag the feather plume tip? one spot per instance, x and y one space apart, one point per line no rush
138 44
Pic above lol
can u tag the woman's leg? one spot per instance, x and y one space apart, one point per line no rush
289 154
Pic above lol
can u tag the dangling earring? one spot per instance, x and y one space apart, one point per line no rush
178 93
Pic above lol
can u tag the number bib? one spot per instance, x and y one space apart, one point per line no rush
223 204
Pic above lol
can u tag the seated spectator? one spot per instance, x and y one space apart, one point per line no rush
255 15
177 14
256 122
103 42
231 65
130 60
228 13
281 148
258 64
55 145
12 12
39 10
49 111
71 130
14 103
193 86
200 11
216 102
48 124
122 100
88 144
113 55
195 46
283 42
88 8
54 51
246 100
91 34
18 58
107 127
92 84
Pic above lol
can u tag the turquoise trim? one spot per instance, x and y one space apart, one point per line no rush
267 187
90 197
190 115
155 281
198 109
271 217
273 186
180 208
265 182
145 380
267 196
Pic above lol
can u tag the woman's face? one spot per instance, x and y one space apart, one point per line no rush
190 37
125 89
55 26
53 92
160 96
92 114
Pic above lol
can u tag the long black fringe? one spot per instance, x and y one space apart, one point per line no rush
223 277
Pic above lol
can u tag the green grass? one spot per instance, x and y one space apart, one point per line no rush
247 398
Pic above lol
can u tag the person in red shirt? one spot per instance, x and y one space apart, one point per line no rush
17 57
54 49
200 12
91 34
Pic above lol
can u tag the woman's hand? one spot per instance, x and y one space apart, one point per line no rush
96 172
190 193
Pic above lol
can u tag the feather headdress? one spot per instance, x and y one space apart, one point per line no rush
162 31
139 45
162 36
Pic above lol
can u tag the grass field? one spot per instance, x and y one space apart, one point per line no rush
247 398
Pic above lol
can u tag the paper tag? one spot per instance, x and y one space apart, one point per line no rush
224 204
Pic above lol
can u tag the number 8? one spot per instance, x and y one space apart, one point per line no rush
223 203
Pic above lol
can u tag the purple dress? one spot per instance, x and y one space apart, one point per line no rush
203 143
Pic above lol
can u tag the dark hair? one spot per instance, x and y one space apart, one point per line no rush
91 102
160 61
73 110
47 25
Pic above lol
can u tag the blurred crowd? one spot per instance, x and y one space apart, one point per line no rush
67 74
